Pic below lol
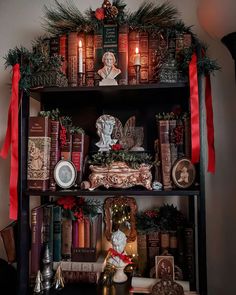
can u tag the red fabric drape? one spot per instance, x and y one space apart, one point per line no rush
11 139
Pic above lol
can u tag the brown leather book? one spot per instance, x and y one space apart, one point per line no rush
81 233
189 255
66 238
39 147
54 46
81 277
80 147
55 152
66 149
142 253
72 59
63 51
153 247
123 54
173 144
133 44
89 59
8 235
143 43
153 56
86 232
98 52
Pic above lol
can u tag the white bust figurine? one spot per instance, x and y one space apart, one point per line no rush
104 125
118 240
109 71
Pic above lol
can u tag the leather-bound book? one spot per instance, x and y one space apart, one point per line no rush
173 144
89 277
110 39
153 247
163 126
180 143
54 46
89 59
63 51
36 239
57 233
98 53
55 152
80 146
86 232
142 253
48 227
66 149
75 233
72 59
66 236
143 43
8 236
189 255
123 54
39 146
153 56
81 233
133 44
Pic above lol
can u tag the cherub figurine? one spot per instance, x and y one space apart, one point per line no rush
109 71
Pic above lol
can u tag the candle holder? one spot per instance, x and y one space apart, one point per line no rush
80 79
137 71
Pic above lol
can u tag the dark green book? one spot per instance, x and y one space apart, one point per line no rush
48 227
56 233
98 53
110 39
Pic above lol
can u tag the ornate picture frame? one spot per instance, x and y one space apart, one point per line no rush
65 174
183 173
165 267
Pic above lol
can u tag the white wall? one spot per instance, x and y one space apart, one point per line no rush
20 24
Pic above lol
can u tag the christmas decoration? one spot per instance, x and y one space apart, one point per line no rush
58 279
38 288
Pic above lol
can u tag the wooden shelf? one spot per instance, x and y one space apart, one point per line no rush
114 192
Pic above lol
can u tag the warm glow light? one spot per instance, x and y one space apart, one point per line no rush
80 44
136 50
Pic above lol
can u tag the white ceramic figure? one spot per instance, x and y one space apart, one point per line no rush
109 71
104 125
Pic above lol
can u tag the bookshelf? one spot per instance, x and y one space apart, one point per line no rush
85 105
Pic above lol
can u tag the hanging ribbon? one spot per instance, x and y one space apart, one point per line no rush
11 139
194 102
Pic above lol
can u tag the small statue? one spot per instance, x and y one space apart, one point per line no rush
47 269
109 71
104 125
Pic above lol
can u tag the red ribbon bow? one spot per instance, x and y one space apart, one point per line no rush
123 257
11 139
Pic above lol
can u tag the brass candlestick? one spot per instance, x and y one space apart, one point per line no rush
137 71
80 79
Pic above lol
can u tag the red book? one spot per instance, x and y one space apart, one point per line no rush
66 148
86 232
63 51
55 152
81 234
54 46
143 43
89 59
39 146
75 234
123 54
133 44
72 59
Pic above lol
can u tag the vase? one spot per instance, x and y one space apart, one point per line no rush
120 276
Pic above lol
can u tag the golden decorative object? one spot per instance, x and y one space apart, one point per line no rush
167 287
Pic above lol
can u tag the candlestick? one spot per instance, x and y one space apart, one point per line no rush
137 59
137 71
80 57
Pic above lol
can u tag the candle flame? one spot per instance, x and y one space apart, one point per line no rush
80 44
136 50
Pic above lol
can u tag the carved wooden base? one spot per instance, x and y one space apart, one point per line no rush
120 175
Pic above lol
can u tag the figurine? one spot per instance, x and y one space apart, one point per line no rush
104 125
109 71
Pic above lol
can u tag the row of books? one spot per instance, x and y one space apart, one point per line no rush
45 150
154 49
67 239
179 244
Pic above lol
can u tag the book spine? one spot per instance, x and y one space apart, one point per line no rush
173 249
98 52
173 144
80 146
55 152
72 59
189 255
86 232
54 46
153 57
187 137
110 39
81 234
165 153
66 149
89 59
180 133
143 42
66 238
123 54
63 51
164 241
39 146
36 239
75 236
81 277
48 227
153 247
179 45
56 233
142 253
8 238
133 44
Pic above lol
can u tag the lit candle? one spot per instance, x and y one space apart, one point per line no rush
137 61
80 57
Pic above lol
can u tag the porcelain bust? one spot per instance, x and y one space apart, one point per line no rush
109 71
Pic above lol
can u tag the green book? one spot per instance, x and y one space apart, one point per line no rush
56 233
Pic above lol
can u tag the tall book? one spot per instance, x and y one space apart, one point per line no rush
48 227
72 59
36 238
110 39
133 44
55 152
153 58
98 53
153 247
66 149
8 235
86 232
173 143
189 255
143 43
89 59
163 126
142 253
81 233
75 233
180 143
54 46
66 236
63 52
57 214
39 146
123 54
80 147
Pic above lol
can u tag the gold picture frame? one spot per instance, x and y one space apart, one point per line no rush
183 173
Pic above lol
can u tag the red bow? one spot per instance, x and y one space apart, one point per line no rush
123 257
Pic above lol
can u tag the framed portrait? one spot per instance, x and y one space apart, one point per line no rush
183 173
165 267
65 174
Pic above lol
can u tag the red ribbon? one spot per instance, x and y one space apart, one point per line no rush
11 138
194 102
123 257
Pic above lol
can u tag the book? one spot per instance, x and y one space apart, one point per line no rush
89 59
72 59
66 149
98 53
189 255
39 146
142 253
153 247
8 235
48 227
173 143
81 233
133 44
75 230
86 232
54 46
63 52
144 47
123 54
153 57
81 277
57 214
110 39
55 152
96 266
66 238
80 148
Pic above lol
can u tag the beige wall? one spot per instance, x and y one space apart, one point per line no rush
20 24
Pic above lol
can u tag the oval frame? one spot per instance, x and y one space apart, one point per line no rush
72 178
188 175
